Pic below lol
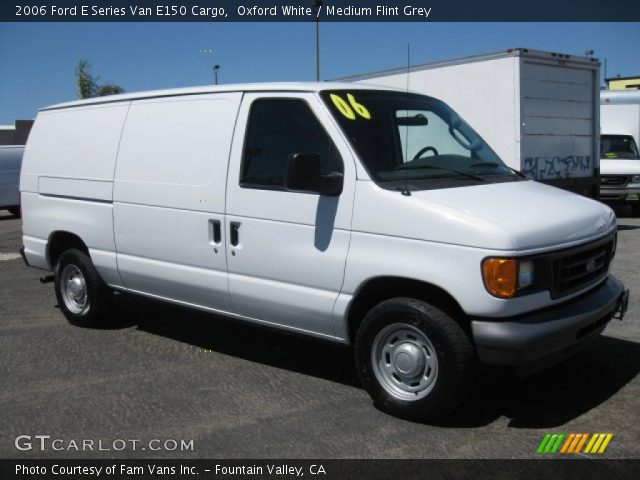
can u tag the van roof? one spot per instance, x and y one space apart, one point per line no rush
243 87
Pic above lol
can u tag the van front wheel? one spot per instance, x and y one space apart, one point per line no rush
414 360
82 295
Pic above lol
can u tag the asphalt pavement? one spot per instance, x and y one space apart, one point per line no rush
173 383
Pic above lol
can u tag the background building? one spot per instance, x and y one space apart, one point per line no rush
623 83
16 134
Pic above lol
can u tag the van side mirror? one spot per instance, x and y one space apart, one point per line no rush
302 174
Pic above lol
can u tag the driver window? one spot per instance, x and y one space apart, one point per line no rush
277 129
418 129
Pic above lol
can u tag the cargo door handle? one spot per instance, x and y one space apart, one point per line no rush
217 233
234 237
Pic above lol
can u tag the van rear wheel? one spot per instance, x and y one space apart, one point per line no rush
413 359
82 295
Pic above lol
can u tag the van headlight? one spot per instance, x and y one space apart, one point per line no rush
504 277
635 179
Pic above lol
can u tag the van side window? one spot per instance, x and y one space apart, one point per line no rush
278 129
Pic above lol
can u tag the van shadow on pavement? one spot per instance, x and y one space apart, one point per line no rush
555 396
290 351
547 399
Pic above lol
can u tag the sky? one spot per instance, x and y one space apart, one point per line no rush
37 60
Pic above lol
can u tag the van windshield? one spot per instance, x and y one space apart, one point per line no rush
618 146
411 140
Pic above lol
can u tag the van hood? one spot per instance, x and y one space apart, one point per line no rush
533 214
514 216
620 166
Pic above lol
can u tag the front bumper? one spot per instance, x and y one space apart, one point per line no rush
552 333
627 194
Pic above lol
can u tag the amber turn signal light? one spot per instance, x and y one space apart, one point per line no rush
500 276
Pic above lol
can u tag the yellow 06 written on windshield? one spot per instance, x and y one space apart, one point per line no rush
350 108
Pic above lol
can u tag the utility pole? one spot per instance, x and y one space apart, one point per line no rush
215 74
318 5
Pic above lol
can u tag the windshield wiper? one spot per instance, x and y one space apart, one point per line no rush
492 164
444 169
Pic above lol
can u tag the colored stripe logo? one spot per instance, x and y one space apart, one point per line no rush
592 443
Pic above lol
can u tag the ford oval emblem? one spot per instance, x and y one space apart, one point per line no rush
591 265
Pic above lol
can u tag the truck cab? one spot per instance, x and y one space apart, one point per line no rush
620 158
620 171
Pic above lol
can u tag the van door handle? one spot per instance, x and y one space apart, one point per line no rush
217 233
234 237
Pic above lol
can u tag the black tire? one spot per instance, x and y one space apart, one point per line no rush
635 209
454 352
99 297
15 211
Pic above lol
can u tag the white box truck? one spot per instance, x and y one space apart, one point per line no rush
620 159
537 110
370 217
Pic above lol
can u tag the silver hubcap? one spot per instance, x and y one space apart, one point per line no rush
404 361
74 290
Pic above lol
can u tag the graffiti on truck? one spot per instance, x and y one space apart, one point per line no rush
572 166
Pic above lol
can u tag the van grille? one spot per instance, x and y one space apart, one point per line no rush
579 267
613 180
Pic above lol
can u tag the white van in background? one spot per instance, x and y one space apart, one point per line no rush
10 161
371 217
619 140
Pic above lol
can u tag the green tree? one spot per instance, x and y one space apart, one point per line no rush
108 89
87 83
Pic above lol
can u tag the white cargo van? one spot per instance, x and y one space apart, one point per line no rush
620 158
371 217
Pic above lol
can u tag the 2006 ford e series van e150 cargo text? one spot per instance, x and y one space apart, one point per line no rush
372 217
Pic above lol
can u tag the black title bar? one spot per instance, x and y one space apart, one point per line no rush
323 11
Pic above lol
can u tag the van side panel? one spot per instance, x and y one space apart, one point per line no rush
169 193
76 143
174 152
66 182
90 220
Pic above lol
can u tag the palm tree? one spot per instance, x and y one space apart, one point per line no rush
84 80
109 89
87 84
